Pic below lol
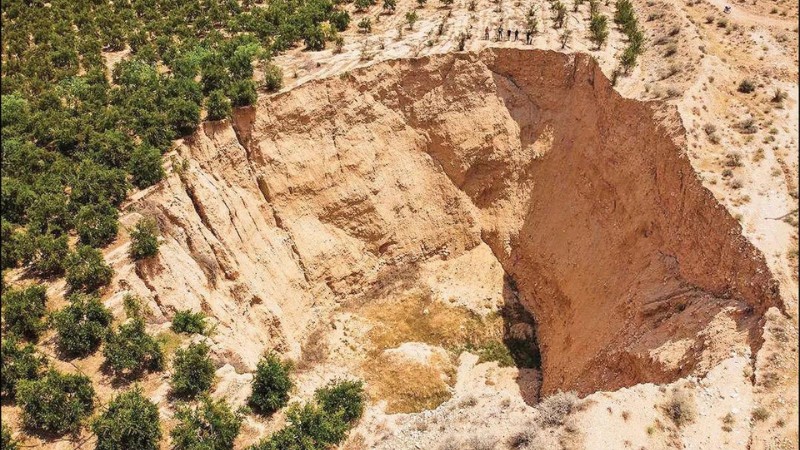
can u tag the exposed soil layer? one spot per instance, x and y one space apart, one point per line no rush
324 193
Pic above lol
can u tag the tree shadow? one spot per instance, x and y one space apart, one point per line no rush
519 336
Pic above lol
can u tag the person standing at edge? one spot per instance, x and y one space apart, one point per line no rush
516 34
500 32
528 37
508 34
486 34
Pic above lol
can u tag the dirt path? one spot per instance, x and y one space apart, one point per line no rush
744 17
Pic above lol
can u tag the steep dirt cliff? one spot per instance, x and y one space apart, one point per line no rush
331 192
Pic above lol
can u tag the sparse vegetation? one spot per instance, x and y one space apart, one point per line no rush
56 403
271 385
625 17
129 421
760 414
192 371
554 409
681 407
746 86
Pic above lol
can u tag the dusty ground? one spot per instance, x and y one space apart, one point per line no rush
293 237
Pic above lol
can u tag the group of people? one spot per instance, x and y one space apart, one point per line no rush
508 33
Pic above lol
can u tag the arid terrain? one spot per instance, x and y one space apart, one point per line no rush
513 245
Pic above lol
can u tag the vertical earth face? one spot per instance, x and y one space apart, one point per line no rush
318 197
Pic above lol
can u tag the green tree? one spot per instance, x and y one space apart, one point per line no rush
310 428
183 115
411 18
560 14
193 371
56 403
20 362
81 325
44 253
243 93
145 166
97 224
130 421
188 322
144 239
628 58
271 385
23 310
209 426
219 107
87 270
342 397
130 350
598 26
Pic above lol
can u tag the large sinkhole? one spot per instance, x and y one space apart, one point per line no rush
585 198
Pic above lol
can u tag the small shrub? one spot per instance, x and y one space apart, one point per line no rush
343 396
129 422
273 77
554 409
193 371
130 350
23 311
19 362
87 270
748 126
761 414
209 426
55 403
144 239
681 408
365 25
411 18
523 440
271 385
81 325
779 96
746 86
189 322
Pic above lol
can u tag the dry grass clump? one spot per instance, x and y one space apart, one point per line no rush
760 414
420 318
681 407
407 387
554 409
